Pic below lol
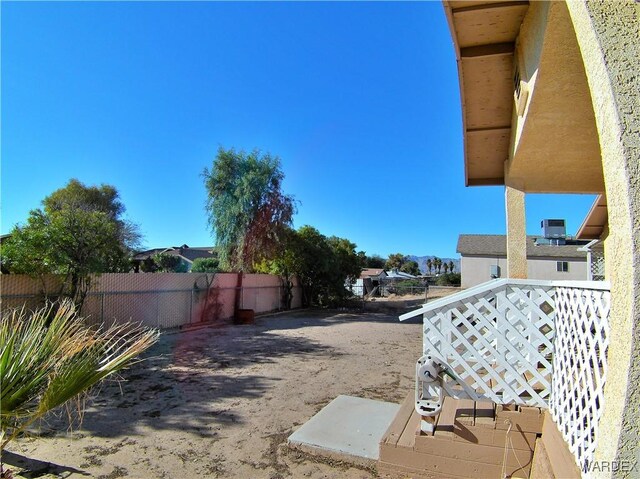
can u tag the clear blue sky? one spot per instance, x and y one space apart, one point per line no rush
359 100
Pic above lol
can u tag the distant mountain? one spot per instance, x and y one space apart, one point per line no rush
422 263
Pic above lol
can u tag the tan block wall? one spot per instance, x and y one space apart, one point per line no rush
163 300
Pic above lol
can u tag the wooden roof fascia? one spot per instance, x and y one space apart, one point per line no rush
504 48
486 182
448 10
488 6
454 13
596 219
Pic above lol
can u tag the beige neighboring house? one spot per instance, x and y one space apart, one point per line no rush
484 257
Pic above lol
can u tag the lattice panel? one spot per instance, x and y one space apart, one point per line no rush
597 265
580 365
499 341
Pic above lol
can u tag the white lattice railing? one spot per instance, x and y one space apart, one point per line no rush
536 343
580 365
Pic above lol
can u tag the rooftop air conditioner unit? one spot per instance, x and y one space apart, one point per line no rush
554 229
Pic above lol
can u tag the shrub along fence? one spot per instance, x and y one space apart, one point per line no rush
160 300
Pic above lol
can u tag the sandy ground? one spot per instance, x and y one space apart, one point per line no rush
221 402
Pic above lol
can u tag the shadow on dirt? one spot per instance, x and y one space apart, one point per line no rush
33 468
183 379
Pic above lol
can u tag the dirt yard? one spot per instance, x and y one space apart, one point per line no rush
221 402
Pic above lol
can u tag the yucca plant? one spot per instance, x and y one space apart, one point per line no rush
50 357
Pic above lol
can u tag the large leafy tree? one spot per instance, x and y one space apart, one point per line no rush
394 261
78 231
168 263
411 267
403 263
374 261
248 212
322 264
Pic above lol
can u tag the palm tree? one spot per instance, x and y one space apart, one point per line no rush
437 262
446 267
429 265
50 357
451 266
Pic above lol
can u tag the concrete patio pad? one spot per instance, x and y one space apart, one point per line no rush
348 428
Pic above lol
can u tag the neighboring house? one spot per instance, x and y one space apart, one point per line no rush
396 275
186 255
370 278
484 257
373 281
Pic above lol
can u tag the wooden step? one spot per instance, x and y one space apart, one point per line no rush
469 440
398 426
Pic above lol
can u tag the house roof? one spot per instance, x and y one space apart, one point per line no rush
484 35
395 274
519 63
189 254
496 245
596 220
371 272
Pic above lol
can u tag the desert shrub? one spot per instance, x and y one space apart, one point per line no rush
205 265
448 279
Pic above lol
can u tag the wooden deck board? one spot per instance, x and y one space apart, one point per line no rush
397 427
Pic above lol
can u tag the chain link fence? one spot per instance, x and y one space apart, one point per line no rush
201 302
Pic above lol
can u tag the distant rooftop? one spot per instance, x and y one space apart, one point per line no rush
185 251
496 245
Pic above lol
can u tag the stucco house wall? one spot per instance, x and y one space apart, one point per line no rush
477 269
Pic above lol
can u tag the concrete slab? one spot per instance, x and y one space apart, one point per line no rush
347 428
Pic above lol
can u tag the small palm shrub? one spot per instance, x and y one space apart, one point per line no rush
50 357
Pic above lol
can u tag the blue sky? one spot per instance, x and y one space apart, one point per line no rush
359 100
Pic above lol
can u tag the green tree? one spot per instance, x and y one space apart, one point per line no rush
375 261
347 264
451 266
445 265
206 265
429 265
248 213
395 261
322 264
49 357
78 231
313 265
449 279
286 263
437 264
168 263
148 265
410 267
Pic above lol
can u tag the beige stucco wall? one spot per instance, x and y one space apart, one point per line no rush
476 269
528 51
554 146
540 268
608 34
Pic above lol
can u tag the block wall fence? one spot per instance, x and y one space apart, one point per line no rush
160 300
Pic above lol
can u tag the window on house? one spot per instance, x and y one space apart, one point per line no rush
562 266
